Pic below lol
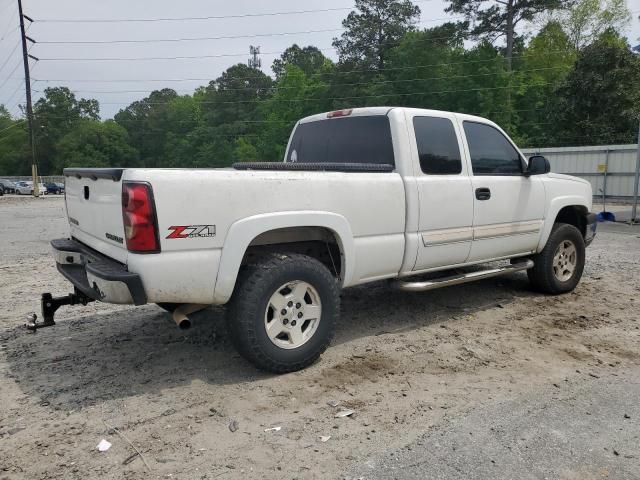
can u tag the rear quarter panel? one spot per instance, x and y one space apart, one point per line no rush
368 207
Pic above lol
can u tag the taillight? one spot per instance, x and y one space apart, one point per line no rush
139 216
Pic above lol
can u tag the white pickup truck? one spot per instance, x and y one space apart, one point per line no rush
363 195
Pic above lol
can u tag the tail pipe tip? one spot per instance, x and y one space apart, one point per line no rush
181 314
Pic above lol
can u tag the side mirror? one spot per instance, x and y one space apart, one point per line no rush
538 165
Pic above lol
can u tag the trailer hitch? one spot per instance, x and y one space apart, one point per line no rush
50 304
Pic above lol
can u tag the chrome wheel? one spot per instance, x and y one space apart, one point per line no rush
293 315
565 261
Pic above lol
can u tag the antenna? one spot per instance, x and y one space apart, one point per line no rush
255 61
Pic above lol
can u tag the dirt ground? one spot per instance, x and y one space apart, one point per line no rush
404 362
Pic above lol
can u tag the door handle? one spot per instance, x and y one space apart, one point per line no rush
483 193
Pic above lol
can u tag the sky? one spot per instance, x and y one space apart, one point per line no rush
117 82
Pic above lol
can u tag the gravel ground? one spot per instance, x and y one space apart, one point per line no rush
444 380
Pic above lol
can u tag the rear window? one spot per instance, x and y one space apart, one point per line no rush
343 140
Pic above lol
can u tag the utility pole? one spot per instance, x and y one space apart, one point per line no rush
27 86
254 61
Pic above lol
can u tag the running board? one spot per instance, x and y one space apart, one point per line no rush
462 278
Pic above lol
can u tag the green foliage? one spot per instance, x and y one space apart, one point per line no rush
95 144
14 146
493 19
308 59
151 122
55 115
373 29
586 20
600 98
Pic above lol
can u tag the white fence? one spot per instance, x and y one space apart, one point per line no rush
611 169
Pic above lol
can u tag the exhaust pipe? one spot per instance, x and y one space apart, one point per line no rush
181 314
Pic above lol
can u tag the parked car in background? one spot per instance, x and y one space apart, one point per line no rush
7 186
24 188
54 188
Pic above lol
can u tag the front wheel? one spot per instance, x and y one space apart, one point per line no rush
558 268
284 311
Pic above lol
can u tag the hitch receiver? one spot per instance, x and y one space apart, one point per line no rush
50 304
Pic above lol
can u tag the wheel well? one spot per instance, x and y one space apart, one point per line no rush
574 215
316 242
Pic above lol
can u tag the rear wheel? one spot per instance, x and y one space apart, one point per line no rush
283 313
558 268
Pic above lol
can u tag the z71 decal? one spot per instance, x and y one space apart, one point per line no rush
192 231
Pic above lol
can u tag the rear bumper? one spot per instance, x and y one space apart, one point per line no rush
592 226
97 276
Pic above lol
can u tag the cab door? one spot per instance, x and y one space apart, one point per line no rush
508 206
444 191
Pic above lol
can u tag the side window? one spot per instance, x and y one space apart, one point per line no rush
491 152
438 146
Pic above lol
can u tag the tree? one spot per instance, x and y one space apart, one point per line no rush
600 100
296 96
95 144
425 62
15 152
309 59
235 95
585 20
494 19
230 110
374 28
545 64
55 115
148 123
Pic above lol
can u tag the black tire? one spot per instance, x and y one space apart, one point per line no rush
248 306
169 307
542 276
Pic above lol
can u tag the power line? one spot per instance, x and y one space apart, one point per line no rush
10 55
208 17
324 99
193 120
18 122
9 76
13 94
374 83
326 49
139 59
223 37
361 70
186 39
8 30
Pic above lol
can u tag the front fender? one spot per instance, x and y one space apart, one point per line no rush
556 205
243 232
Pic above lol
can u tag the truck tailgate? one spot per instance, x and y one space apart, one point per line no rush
94 210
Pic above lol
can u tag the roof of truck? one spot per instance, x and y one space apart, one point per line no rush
372 111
